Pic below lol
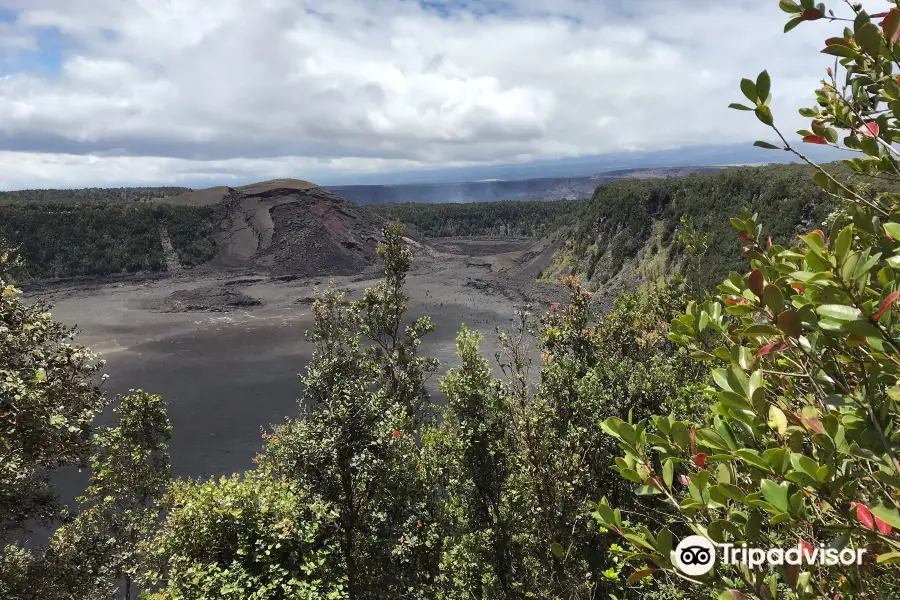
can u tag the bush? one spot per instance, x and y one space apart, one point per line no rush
801 445
48 402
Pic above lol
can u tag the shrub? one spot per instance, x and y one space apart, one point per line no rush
801 445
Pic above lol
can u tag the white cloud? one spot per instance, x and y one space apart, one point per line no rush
165 91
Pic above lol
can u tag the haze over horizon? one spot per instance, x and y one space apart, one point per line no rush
122 92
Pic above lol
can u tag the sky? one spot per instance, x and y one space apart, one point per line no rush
200 93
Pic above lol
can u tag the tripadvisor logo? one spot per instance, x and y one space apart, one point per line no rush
695 555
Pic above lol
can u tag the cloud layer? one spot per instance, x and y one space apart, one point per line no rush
102 91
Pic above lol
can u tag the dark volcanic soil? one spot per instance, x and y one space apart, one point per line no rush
212 298
228 375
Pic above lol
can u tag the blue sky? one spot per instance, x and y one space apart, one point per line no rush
109 92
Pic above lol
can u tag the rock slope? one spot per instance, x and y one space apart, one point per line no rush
289 227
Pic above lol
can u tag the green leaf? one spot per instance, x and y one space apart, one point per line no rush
664 541
764 114
773 298
839 312
841 51
793 23
760 329
789 6
668 472
751 457
766 145
776 494
558 550
842 243
778 419
889 515
893 230
749 90
869 38
889 558
737 106
763 86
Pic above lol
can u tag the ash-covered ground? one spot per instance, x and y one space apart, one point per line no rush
225 347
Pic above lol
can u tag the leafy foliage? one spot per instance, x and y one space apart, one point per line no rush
129 194
244 538
802 442
522 462
618 221
48 401
88 238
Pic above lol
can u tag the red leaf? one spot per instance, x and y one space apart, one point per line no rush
684 480
765 350
799 288
769 243
887 304
812 14
793 572
807 547
820 234
814 424
638 575
815 139
865 516
880 15
700 460
744 237
883 528
891 25
868 129
756 282
693 440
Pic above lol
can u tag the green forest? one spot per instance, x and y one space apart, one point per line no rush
60 239
612 226
517 218
611 455
125 194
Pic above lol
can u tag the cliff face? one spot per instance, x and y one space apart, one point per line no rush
289 227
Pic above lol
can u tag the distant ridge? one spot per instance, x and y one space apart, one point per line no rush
215 195
547 188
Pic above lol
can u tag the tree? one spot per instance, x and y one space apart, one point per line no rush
519 458
48 402
129 473
346 468
801 445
